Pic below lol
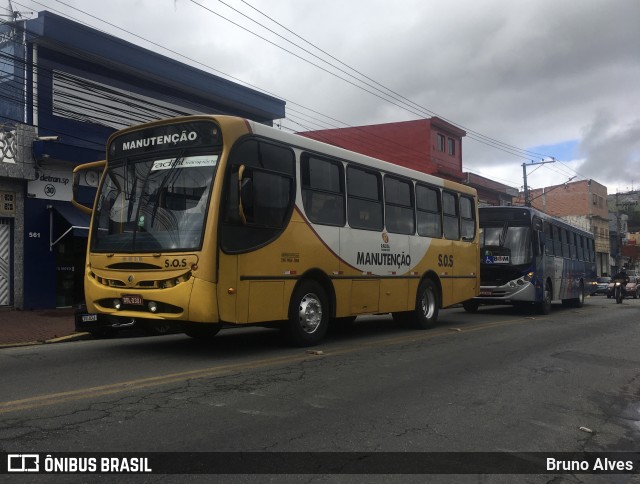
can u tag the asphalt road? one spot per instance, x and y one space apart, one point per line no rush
496 381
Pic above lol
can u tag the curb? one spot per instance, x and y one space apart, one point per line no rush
61 339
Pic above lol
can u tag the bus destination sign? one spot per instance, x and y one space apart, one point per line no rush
192 134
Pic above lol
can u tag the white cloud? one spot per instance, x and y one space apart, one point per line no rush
525 73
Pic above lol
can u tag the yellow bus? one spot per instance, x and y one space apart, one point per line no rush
204 222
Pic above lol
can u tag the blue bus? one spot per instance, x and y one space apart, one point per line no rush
529 258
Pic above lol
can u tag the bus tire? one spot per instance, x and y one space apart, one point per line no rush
308 314
204 333
544 307
579 301
471 306
425 314
402 318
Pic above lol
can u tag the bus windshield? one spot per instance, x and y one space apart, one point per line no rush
156 204
506 244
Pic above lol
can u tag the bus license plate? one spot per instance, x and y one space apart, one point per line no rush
86 318
485 292
132 300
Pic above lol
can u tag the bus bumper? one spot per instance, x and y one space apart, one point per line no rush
191 301
507 294
86 321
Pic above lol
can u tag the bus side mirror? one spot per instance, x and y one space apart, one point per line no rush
75 184
245 194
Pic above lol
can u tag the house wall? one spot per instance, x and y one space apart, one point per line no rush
584 202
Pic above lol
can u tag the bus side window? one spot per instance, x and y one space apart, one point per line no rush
322 190
572 245
548 239
580 245
364 192
467 218
557 242
565 243
451 219
429 211
259 194
398 206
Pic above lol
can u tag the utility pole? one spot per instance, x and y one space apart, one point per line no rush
527 201
14 15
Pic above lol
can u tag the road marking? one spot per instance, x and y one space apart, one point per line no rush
84 393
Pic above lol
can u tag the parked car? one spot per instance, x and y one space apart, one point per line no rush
633 287
601 285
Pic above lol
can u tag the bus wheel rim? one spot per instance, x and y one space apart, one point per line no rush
428 304
310 313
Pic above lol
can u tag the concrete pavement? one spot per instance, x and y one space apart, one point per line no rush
37 326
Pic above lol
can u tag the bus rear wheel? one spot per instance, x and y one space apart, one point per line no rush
308 314
425 314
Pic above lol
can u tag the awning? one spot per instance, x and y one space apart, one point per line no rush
78 221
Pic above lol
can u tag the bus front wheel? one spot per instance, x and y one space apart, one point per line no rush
203 332
308 314
427 305
471 306
579 301
544 306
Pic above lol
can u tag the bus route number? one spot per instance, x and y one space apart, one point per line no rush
445 260
175 263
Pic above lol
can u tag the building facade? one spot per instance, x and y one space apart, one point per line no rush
624 224
64 88
583 204
16 166
490 192
431 145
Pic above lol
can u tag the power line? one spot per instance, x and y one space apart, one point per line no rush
387 90
507 150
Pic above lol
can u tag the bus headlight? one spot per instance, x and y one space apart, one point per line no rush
117 304
153 307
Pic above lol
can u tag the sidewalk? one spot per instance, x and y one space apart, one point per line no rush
37 326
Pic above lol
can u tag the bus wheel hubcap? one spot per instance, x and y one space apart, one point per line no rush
310 313
428 304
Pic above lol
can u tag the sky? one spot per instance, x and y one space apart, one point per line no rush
528 80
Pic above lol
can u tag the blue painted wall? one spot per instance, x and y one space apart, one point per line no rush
71 48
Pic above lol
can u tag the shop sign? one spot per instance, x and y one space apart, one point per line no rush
53 183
